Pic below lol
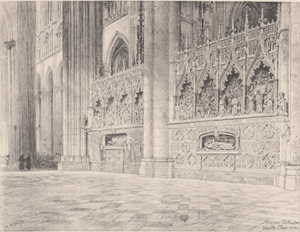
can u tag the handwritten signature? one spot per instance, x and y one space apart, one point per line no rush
281 225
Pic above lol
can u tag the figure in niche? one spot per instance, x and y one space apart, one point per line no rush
282 105
205 105
259 102
199 110
270 103
110 112
235 103
263 90
141 109
138 109
222 105
177 111
98 113
233 93
251 99
185 102
124 113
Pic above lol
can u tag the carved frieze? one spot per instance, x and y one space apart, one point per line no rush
244 52
118 99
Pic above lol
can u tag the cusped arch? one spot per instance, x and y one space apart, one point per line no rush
230 66
203 76
255 64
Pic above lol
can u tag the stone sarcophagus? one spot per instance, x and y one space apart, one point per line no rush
218 147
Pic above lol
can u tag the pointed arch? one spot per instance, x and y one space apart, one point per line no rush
118 44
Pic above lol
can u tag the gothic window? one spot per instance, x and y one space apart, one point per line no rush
260 96
255 10
59 8
48 13
119 57
231 97
205 99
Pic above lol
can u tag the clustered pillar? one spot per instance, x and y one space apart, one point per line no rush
289 176
82 59
160 28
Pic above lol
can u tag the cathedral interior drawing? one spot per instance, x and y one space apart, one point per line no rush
192 90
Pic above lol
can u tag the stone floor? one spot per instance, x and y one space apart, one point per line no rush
95 201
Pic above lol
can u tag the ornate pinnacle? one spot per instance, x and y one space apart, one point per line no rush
246 22
278 12
262 20
219 32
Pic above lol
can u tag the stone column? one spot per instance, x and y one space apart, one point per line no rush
284 49
163 166
66 26
289 177
174 33
9 46
293 181
146 168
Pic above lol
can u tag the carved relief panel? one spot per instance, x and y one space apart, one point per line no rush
118 99
244 65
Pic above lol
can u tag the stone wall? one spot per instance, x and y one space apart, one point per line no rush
259 147
119 150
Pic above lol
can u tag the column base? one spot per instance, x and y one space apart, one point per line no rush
146 168
73 166
287 177
157 168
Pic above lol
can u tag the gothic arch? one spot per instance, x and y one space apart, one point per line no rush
47 75
223 78
118 40
239 9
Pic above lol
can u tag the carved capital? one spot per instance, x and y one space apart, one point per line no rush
9 44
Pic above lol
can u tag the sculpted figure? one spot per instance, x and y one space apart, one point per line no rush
265 107
259 102
199 107
177 110
270 103
222 105
251 97
235 103
282 110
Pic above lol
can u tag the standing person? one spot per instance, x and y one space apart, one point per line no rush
21 162
28 162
